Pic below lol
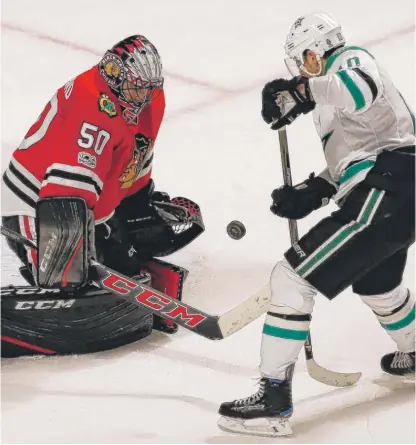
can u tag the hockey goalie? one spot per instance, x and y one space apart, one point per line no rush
79 186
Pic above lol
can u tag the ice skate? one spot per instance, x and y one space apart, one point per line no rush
264 413
399 364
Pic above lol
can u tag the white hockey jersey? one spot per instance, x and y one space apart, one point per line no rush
359 113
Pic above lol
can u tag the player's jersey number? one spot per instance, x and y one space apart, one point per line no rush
90 135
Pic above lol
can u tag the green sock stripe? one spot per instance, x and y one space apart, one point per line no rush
410 318
352 87
289 334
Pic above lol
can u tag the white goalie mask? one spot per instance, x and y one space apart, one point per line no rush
317 32
134 62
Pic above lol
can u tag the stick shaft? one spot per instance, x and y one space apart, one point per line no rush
293 226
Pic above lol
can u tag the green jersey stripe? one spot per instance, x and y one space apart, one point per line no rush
354 169
354 90
337 53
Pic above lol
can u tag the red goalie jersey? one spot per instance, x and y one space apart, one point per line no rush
87 142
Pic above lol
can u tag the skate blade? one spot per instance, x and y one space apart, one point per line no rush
267 427
406 378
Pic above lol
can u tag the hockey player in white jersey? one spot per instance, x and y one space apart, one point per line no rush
368 137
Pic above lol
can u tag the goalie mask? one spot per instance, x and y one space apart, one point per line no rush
133 70
317 32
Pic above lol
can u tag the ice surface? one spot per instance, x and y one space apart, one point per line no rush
214 148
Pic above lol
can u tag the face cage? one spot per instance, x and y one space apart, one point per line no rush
152 88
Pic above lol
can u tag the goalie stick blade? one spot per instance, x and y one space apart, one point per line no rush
331 378
265 427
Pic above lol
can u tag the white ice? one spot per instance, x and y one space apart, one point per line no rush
214 148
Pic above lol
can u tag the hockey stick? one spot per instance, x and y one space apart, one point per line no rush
213 327
316 371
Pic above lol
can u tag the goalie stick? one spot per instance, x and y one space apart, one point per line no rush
213 327
316 371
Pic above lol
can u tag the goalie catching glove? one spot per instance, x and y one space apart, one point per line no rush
157 225
284 100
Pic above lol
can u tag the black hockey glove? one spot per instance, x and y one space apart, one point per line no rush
144 227
298 201
114 248
140 205
277 95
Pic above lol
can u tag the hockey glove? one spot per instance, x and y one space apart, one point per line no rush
114 248
140 205
298 201
284 100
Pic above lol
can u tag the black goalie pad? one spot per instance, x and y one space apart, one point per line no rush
51 322
172 226
65 239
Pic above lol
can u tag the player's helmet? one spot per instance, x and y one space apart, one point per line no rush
133 70
318 32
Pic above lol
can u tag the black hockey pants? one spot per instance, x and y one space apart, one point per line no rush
365 242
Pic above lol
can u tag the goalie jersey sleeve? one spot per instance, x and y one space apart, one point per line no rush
359 113
83 145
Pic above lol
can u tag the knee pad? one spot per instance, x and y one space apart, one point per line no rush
289 292
388 302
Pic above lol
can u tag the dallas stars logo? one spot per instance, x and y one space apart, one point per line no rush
299 22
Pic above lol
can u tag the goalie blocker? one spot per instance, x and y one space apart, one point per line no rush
65 237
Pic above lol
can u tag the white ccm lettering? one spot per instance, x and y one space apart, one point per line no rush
44 304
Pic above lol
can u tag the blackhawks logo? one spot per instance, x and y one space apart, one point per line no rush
111 68
137 163
107 106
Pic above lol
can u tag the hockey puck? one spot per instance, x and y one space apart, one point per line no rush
236 230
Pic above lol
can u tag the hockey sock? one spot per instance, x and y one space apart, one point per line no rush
398 320
284 334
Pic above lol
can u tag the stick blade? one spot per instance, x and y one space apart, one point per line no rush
246 312
331 378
